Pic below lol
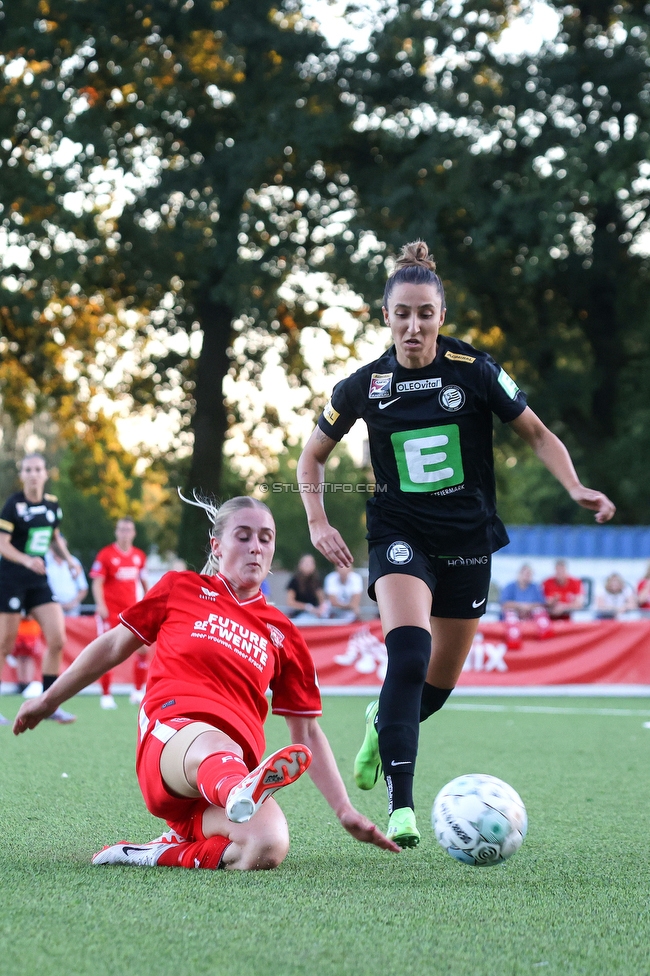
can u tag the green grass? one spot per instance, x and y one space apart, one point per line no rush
575 899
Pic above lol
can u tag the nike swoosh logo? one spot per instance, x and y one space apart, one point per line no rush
125 850
477 603
388 403
405 762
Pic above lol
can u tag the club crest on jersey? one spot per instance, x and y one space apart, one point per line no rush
207 594
399 553
451 398
21 508
380 386
277 637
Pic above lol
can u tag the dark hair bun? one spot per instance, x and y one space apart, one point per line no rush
415 254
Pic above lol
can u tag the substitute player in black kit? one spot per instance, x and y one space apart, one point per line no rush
28 522
432 522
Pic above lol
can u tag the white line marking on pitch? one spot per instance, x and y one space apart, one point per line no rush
546 709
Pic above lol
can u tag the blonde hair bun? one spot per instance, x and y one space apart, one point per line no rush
415 254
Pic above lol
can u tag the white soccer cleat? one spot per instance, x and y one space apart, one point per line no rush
136 696
280 769
62 717
4 721
107 702
33 690
138 855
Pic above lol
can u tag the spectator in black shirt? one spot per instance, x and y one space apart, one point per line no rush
305 590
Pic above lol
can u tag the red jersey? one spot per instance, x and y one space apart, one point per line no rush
216 657
643 594
121 572
564 594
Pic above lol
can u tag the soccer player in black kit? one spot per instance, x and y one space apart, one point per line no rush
432 522
28 522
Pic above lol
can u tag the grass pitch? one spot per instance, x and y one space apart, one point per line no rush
573 900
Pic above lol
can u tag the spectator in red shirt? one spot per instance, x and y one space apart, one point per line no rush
219 646
643 591
563 593
118 581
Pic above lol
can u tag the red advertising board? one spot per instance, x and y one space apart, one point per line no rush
354 655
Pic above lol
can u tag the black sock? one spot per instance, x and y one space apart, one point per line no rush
432 700
408 650
48 680
21 686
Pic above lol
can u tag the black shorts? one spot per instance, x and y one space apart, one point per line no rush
459 584
21 589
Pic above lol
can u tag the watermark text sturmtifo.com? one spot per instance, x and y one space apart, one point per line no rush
360 489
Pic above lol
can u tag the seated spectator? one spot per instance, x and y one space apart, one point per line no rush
522 596
68 590
643 591
343 589
614 598
563 593
305 590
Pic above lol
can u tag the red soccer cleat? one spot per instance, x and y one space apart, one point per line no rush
280 769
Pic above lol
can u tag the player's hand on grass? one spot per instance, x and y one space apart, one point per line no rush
596 501
31 713
364 830
329 542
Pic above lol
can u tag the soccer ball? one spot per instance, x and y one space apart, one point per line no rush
479 819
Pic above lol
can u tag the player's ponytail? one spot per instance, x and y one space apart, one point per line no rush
219 515
414 265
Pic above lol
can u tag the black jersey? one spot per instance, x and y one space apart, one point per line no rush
430 436
30 524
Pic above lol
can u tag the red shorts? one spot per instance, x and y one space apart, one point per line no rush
28 647
183 814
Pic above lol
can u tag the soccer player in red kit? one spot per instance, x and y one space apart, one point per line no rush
219 646
117 574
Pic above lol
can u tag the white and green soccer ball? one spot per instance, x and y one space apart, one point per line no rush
479 819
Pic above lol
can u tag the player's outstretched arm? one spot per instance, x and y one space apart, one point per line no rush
311 477
101 655
554 455
325 774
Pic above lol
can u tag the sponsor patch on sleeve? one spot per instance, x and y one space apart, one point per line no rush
331 415
508 384
459 358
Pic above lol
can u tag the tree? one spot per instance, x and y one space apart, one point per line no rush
529 178
217 125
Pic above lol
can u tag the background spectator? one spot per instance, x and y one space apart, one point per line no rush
67 589
643 591
522 596
343 589
615 597
563 593
305 590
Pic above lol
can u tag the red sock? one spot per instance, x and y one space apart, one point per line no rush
195 854
140 668
105 682
217 775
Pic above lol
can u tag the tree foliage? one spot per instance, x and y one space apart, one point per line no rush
202 174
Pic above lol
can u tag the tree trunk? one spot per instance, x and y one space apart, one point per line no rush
209 424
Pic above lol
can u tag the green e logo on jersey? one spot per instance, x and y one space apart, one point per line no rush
428 459
38 540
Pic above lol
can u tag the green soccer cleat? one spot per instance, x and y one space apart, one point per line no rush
402 828
367 765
